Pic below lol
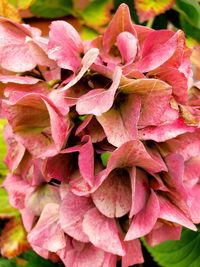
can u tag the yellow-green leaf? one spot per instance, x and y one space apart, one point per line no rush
6 210
13 238
7 10
24 4
147 9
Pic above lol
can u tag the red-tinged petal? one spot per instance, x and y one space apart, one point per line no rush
82 255
133 253
121 22
47 233
192 172
144 221
149 9
170 212
127 45
113 197
163 232
15 150
98 101
18 192
65 45
133 153
165 132
41 196
142 33
140 193
88 59
120 122
58 167
72 210
102 232
159 46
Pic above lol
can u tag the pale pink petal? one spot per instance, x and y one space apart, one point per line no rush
72 210
28 219
113 197
98 101
144 221
47 233
127 45
194 203
18 79
65 45
102 232
133 253
171 213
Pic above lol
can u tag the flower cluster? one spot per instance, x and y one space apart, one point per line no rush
103 139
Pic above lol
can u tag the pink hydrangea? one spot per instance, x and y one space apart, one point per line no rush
102 139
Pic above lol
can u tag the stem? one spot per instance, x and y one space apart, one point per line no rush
150 22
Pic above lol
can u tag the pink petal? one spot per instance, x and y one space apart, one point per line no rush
82 255
133 253
113 197
102 232
159 46
139 185
163 232
88 59
127 45
18 79
136 156
71 215
144 221
171 213
18 192
166 131
47 233
110 260
15 150
194 203
120 123
121 22
98 101
65 45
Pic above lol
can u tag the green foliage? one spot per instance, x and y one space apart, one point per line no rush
180 253
51 9
6 210
3 169
191 10
105 157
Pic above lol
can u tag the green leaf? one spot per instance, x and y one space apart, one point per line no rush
88 33
52 9
3 168
191 10
6 210
180 253
189 29
7 263
97 13
33 260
